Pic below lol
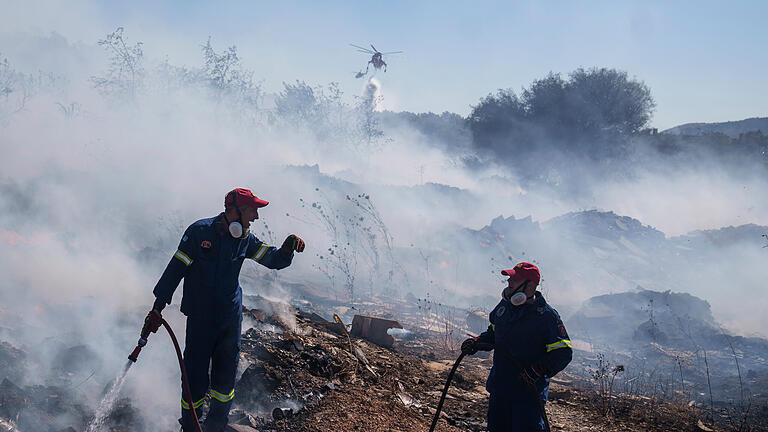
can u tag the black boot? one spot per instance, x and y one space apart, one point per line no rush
187 421
214 425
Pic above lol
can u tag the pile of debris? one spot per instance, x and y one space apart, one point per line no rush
302 372
320 376
56 407
324 377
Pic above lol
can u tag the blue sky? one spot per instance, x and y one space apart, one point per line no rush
704 60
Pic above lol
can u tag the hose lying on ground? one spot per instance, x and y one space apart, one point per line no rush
445 392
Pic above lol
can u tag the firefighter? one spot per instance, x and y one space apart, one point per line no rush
530 345
209 259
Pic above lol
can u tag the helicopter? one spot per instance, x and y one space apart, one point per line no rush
377 59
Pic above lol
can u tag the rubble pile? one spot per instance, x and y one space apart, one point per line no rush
57 405
48 408
302 372
322 378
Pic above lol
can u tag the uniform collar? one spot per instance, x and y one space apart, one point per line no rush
220 225
539 302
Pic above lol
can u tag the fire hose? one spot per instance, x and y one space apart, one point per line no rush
486 347
184 382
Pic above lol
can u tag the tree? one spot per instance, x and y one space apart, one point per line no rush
497 119
226 76
15 90
297 103
368 128
590 105
546 104
126 72
601 100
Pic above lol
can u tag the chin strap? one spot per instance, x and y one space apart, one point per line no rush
507 293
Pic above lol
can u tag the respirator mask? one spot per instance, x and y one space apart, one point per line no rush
516 297
235 227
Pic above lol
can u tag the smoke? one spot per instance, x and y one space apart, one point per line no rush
96 190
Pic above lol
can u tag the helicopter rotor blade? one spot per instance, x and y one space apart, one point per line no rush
361 48
374 48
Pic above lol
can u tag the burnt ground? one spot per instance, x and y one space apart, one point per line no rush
310 375
397 389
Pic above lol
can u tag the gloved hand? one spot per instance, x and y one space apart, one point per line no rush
531 374
152 322
292 243
469 346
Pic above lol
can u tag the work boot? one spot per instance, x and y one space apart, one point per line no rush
214 425
187 422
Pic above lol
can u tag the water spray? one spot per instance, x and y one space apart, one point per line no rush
185 383
105 406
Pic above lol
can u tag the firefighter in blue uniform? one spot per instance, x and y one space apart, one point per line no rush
530 345
209 259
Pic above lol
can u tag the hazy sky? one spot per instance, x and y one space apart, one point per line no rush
704 60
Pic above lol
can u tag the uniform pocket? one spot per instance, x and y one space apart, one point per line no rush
207 268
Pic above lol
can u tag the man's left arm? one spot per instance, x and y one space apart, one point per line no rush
271 256
558 345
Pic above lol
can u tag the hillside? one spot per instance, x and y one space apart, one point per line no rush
730 128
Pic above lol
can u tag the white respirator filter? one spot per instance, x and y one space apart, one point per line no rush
518 299
236 229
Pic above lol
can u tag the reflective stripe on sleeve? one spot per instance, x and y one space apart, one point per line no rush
562 343
261 252
183 257
222 397
493 327
197 404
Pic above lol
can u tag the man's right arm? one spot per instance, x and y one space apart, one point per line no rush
485 341
175 270
488 336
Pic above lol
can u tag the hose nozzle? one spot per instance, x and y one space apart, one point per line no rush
139 345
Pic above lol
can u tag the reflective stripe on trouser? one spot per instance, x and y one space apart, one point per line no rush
185 405
221 397
214 345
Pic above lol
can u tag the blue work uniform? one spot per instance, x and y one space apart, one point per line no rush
209 260
529 335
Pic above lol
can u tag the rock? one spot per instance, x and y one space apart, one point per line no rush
12 399
374 329
8 426
256 383
477 321
11 361
239 428
76 359
258 314
282 413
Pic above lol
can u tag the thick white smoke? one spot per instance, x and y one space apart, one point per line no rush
95 192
